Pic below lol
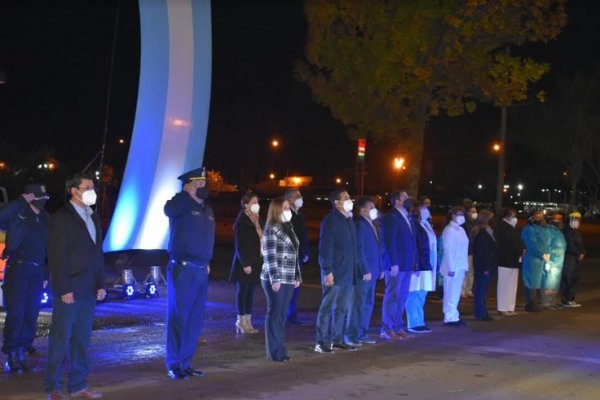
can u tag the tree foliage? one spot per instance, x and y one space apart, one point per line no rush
384 68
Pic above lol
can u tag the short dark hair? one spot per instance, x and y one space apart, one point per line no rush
396 196
247 197
454 210
290 192
335 195
75 180
505 212
363 201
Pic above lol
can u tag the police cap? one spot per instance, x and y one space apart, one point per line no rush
193 175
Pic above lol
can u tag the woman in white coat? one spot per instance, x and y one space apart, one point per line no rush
455 264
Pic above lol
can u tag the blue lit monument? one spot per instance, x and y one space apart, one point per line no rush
171 119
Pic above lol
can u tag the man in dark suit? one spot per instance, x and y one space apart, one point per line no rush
340 269
400 241
370 252
76 266
294 197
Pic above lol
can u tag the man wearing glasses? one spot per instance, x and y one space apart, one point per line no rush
26 223
76 266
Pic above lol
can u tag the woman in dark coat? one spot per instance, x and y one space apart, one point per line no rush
485 262
510 252
247 260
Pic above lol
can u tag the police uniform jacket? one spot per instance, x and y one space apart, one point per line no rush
279 247
247 251
192 229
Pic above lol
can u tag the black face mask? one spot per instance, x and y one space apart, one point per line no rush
39 204
202 193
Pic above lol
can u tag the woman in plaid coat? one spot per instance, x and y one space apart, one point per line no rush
280 275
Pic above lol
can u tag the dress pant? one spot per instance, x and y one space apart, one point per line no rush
569 278
467 286
508 280
480 286
277 303
452 289
335 303
22 290
361 310
415 308
244 297
292 311
70 334
186 306
394 301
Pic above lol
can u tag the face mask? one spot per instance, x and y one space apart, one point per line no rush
460 219
474 216
512 221
255 208
425 214
89 197
348 205
298 203
373 214
39 203
202 193
286 216
574 224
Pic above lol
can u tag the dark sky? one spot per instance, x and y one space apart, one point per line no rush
57 57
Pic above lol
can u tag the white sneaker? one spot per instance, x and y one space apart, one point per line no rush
574 304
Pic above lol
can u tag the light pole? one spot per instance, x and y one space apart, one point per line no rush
500 148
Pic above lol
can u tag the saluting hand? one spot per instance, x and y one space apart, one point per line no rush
29 197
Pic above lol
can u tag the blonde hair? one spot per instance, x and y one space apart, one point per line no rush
275 211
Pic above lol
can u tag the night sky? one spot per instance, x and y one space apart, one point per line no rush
57 57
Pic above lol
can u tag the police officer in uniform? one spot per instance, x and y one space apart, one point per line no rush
192 234
26 223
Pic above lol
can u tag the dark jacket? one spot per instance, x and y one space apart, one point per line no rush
370 246
574 241
299 224
76 262
484 253
400 241
423 259
510 245
338 249
247 251
192 229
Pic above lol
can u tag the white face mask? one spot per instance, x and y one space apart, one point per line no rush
574 224
425 214
298 203
286 216
348 205
512 221
474 216
460 219
89 197
255 208
373 214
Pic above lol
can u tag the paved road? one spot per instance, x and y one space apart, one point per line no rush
550 355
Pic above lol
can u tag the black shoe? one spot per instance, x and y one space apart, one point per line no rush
12 365
22 358
193 372
321 348
532 308
177 374
343 346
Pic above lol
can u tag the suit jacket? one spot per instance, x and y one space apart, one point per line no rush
338 249
370 247
76 262
400 240
247 251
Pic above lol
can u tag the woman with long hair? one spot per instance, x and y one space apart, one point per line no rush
280 275
484 262
247 260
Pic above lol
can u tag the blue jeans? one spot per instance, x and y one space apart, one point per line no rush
69 337
186 306
480 285
277 303
394 300
332 312
292 311
415 304
22 289
361 310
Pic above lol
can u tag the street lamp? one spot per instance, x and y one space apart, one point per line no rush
398 167
496 147
271 176
275 143
338 180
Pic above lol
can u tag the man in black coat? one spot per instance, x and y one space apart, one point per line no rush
574 256
26 223
76 266
294 197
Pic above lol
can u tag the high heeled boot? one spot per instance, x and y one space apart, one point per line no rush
240 324
249 326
